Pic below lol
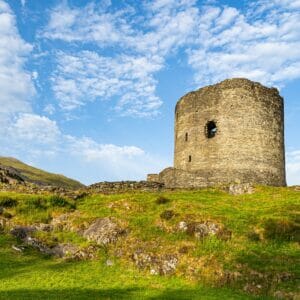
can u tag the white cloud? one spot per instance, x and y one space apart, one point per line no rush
87 76
90 23
34 128
91 151
112 162
33 137
16 84
260 43
233 44
130 75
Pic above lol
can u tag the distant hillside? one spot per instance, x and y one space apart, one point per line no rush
37 176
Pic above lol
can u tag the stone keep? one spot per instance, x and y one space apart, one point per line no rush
229 132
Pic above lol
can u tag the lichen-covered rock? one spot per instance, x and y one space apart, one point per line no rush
103 231
241 188
157 265
199 229
44 227
73 252
37 244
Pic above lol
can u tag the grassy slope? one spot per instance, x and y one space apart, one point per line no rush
32 276
39 176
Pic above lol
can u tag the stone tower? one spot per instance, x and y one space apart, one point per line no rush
232 131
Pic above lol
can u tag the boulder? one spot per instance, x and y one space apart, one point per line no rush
103 231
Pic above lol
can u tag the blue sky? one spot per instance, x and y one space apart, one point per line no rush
88 88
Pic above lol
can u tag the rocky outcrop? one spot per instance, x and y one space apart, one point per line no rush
10 175
104 231
25 234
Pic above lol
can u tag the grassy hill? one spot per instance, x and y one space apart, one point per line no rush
34 175
254 256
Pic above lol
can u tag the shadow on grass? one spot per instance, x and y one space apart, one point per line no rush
129 293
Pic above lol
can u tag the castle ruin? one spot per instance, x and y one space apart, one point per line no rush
229 132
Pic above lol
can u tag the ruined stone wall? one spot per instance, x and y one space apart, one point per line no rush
248 145
124 186
153 177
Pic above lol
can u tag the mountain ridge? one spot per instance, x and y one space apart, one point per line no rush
13 170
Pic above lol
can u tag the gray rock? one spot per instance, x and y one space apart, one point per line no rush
103 231
65 250
241 188
22 232
37 244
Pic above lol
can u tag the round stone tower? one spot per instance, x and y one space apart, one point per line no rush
232 131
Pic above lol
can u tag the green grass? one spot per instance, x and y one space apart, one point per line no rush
32 276
38 176
264 230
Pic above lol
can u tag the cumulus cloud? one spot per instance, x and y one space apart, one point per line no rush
34 128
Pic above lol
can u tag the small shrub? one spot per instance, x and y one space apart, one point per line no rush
56 200
59 201
6 201
162 200
167 214
282 229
